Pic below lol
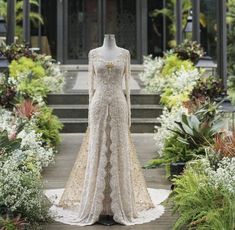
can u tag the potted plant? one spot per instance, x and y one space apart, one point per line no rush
194 132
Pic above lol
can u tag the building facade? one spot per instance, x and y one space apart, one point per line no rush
73 27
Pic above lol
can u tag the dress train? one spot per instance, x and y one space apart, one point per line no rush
65 205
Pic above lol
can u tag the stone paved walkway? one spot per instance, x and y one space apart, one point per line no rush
56 175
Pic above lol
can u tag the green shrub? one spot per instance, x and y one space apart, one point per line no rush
49 126
175 151
29 76
207 87
34 88
200 205
8 145
190 136
173 64
189 50
199 129
26 65
22 189
171 99
155 163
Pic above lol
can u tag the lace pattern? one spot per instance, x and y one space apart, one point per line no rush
107 168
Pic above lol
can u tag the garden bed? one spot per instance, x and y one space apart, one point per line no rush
29 134
195 133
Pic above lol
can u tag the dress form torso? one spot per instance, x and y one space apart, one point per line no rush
109 50
106 63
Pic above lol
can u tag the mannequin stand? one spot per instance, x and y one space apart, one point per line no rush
106 220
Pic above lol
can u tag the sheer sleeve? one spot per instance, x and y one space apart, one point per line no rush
127 84
90 81
90 76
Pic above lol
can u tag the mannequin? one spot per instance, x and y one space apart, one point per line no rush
109 51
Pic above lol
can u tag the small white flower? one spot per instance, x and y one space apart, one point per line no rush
224 176
167 120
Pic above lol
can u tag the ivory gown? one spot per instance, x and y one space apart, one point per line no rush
107 177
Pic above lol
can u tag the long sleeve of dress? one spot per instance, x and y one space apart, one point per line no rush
90 80
127 83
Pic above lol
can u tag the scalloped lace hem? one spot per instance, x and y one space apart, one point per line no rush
70 216
97 205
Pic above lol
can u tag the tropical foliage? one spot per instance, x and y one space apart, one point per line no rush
29 134
191 113
169 13
195 133
171 76
204 196
34 16
31 75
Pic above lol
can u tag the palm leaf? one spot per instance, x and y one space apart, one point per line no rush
3 9
34 17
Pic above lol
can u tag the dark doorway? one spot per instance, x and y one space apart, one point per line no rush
84 23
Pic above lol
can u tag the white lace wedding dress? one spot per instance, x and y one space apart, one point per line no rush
107 178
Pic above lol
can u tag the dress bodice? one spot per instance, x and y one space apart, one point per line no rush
105 77
108 75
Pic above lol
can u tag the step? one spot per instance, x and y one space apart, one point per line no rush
138 125
81 97
81 111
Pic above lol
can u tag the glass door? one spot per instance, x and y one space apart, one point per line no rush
121 20
81 30
86 21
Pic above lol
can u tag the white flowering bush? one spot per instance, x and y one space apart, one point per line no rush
167 120
152 69
179 86
21 187
36 77
31 141
223 177
31 144
8 121
29 132
204 197
173 78
54 78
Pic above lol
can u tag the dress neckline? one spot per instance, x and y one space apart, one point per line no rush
110 61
